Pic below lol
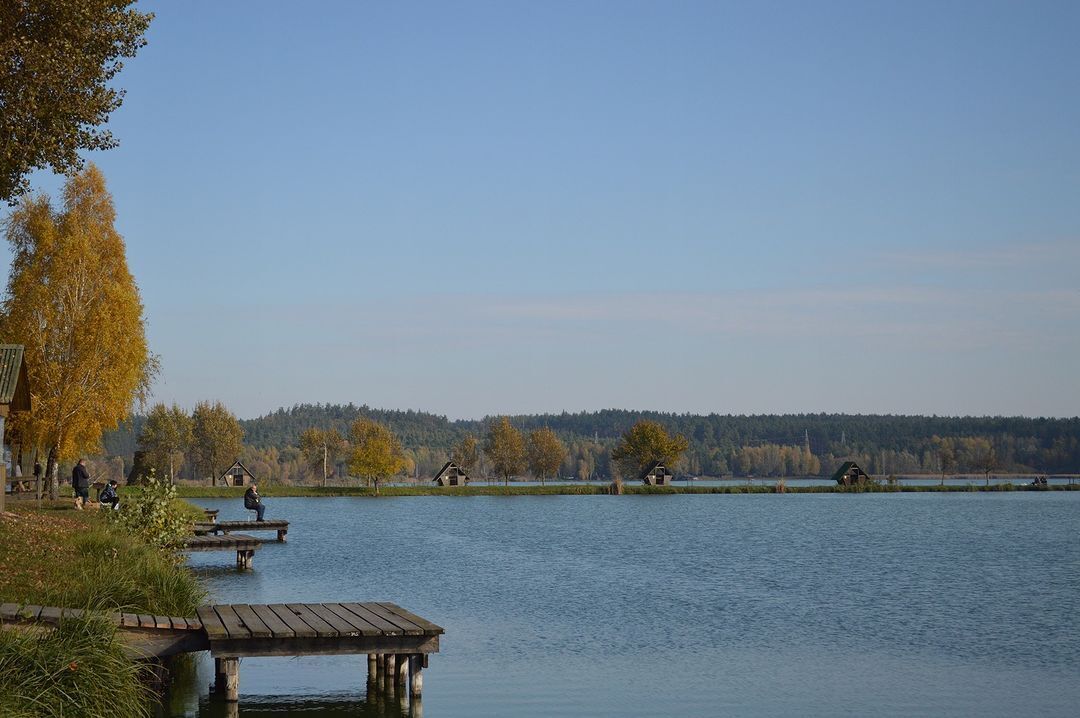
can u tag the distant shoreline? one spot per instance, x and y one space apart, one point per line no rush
270 491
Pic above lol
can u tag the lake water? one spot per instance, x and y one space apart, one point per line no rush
668 605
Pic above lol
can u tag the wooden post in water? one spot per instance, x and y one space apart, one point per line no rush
245 558
372 673
232 678
219 675
416 678
380 673
390 679
402 672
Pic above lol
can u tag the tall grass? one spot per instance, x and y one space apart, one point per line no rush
78 669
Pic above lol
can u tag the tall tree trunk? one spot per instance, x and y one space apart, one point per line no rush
324 466
52 470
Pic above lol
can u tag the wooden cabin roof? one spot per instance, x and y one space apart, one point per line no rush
846 467
229 471
446 468
14 386
657 467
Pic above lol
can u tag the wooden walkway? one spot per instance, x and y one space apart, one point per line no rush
245 546
226 527
396 641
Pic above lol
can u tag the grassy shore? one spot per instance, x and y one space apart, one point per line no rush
207 492
56 556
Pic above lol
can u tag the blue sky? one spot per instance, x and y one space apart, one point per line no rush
500 207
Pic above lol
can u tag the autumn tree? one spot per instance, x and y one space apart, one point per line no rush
376 453
466 453
73 304
166 436
646 443
946 455
545 453
59 60
321 447
505 449
218 438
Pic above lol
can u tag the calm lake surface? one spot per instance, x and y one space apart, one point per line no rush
703 605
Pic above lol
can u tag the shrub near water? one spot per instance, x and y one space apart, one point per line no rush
151 515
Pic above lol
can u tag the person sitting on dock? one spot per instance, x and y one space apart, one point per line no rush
253 502
109 496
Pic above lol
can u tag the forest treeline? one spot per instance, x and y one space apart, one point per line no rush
719 445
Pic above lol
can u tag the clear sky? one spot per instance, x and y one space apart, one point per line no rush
504 207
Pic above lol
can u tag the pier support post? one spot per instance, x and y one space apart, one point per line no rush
219 675
281 535
245 558
372 672
416 678
402 671
390 679
232 678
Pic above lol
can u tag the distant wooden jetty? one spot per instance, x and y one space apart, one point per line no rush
227 527
245 546
396 641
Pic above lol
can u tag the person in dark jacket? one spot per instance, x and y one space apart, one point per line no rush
109 496
253 501
80 482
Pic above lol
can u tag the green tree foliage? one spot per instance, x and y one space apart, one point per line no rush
321 448
646 443
545 453
376 453
466 453
152 515
505 449
74 305
59 57
166 435
218 438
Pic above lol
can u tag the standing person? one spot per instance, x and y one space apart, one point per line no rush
253 501
37 475
80 482
109 496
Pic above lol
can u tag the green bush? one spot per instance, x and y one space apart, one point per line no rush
151 514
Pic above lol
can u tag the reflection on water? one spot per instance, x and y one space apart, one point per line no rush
751 605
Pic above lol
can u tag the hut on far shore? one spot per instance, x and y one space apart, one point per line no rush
237 475
850 473
451 475
657 475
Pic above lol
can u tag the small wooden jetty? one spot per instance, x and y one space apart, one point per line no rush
226 527
245 546
397 642
211 515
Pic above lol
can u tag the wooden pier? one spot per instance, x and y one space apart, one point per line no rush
226 527
397 642
245 546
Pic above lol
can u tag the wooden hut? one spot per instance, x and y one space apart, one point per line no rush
451 475
237 475
657 475
14 397
850 473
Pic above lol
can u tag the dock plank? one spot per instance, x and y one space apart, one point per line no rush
340 626
365 628
233 624
258 628
429 627
408 627
294 622
147 621
31 612
215 629
361 610
50 614
129 620
278 628
305 614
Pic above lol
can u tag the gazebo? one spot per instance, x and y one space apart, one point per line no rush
14 397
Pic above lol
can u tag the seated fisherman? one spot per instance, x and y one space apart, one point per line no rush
108 495
253 501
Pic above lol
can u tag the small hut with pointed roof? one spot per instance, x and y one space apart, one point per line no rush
237 475
451 475
850 473
657 475
14 397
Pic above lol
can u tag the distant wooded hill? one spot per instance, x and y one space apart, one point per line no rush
762 445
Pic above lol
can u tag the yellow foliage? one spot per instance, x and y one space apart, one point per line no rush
73 304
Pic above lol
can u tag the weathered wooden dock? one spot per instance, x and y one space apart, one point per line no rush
226 527
396 641
245 546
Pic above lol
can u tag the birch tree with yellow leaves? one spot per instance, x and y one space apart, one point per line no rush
73 304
